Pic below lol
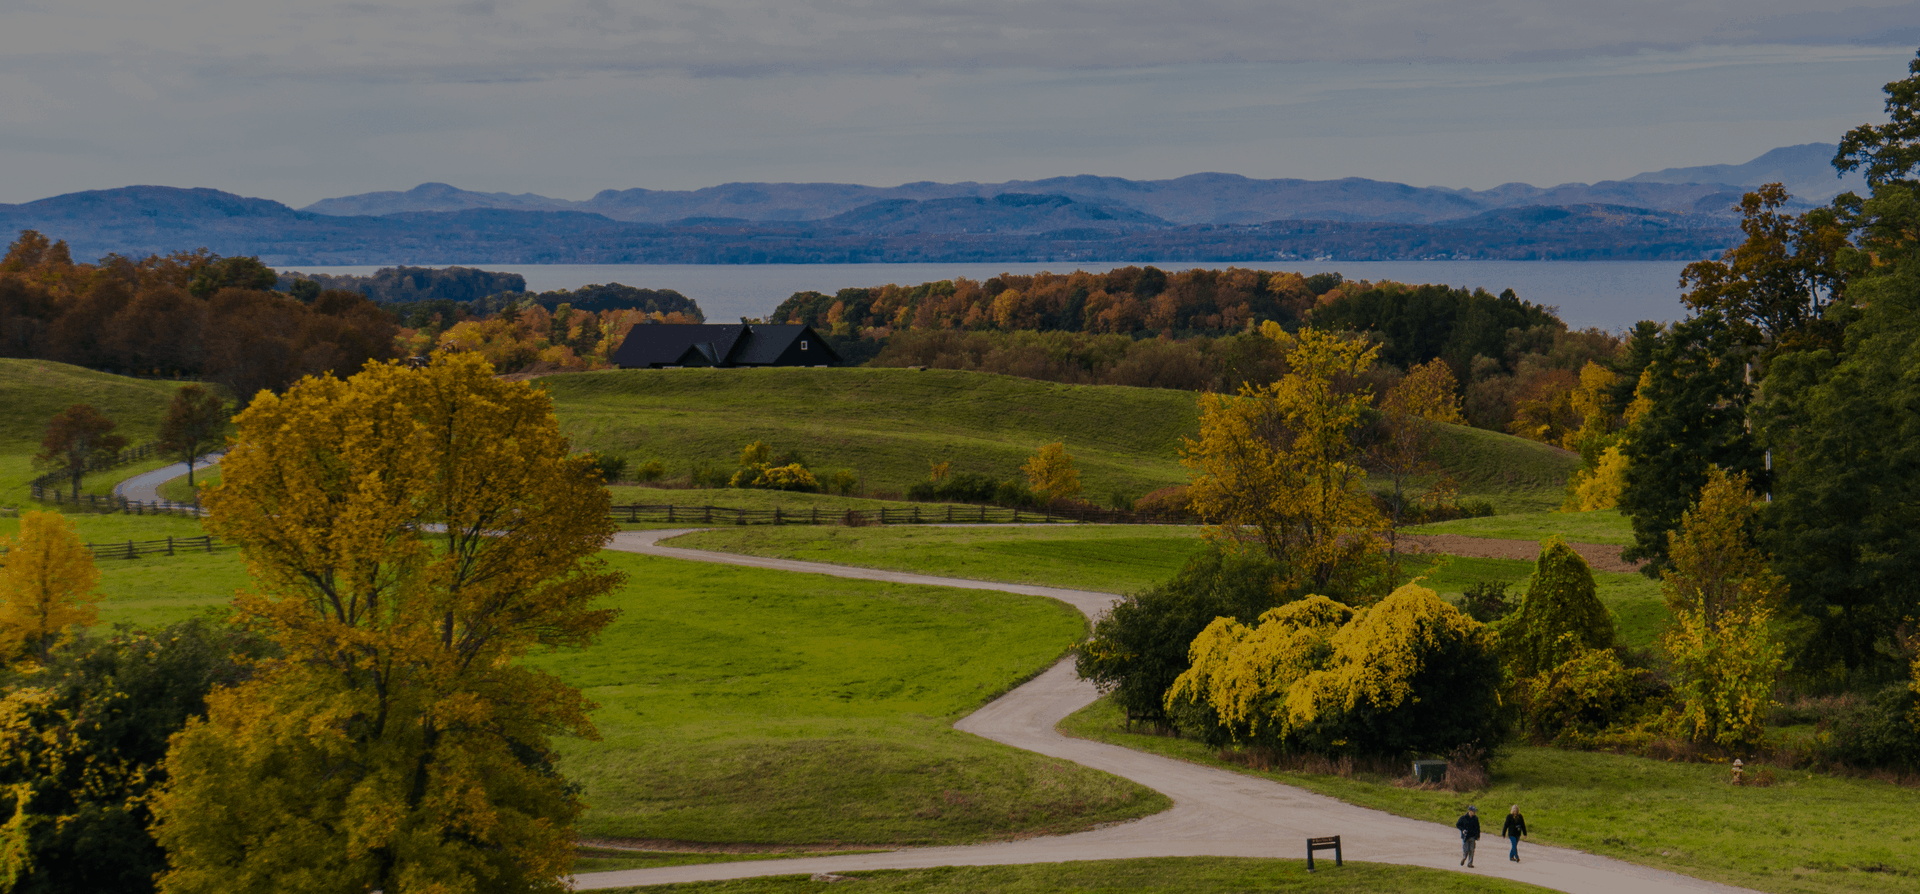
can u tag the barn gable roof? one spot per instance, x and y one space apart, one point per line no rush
723 345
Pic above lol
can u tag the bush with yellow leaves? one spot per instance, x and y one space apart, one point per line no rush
1409 675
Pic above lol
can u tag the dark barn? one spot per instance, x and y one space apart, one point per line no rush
658 345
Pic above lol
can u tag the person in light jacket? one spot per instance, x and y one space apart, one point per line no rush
1515 827
1469 826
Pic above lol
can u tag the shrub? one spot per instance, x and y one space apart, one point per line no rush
1880 732
1486 601
1141 644
957 487
650 471
1560 601
709 476
794 477
1409 675
1583 696
82 747
612 468
842 481
1165 501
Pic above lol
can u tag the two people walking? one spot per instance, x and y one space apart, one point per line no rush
1469 826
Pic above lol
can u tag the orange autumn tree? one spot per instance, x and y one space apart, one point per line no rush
411 534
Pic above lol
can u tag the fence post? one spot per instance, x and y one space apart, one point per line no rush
209 540
709 519
169 544
741 519
916 515
130 553
776 516
816 515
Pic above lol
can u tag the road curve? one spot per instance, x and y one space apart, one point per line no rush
1216 813
145 487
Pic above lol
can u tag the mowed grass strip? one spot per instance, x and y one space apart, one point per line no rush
1151 875
1806 834
742 705
1102 558
606 859
1605 526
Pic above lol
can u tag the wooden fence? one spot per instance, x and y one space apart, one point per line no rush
910 515
53 479
134 549
97 503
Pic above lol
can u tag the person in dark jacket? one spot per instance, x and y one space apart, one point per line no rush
1515 827
1469 826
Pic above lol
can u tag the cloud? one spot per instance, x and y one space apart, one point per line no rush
509 40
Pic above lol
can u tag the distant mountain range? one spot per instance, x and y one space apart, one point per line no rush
1679 213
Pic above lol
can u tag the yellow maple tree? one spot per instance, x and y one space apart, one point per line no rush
47 580
411 534
1051 473
1275 464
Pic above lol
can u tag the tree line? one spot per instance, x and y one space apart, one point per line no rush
1197 330
188 314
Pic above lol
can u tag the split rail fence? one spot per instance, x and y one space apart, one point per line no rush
134 549
639 513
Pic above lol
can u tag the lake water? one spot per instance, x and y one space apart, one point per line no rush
1611 295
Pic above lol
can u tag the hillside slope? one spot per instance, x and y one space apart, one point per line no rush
890 425
33 391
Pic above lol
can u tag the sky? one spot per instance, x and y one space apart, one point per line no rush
299 101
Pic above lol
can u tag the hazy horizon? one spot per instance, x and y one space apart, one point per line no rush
563 98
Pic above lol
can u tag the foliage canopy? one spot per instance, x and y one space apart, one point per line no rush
412 533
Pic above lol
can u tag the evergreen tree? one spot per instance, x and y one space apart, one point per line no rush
1697 389
1559 617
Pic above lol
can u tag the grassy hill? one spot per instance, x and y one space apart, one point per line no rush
887 424
891 424
33 391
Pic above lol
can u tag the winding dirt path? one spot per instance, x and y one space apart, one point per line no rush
1215 813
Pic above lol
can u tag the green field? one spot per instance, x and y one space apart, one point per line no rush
1604 526
752 706
1807 834
1103 558
1153 875
155 590
756 706
1514 474
890 425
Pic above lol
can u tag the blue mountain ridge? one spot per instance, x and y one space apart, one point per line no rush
1201 217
